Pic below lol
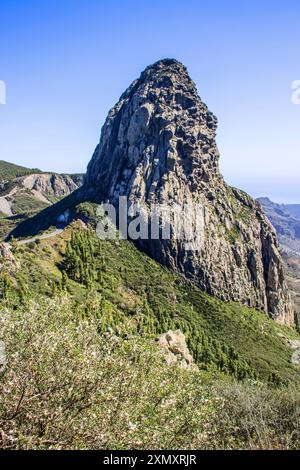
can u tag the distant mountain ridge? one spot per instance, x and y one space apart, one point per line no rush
25 191
285 218
10 171
293 209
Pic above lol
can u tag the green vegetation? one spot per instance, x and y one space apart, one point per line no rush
23 206
83 263
232 235
45 219
7 224
81 260
10 171
65 386
113 276
24 203
82 315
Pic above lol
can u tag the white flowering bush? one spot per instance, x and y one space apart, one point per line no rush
66 386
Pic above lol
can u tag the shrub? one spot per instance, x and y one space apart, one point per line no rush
65 386
257 417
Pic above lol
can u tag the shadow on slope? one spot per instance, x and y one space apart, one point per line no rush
48 217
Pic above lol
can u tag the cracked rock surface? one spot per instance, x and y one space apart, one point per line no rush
158 146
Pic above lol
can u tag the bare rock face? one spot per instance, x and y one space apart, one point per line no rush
42 187
175 349
158 146
45 186
50 184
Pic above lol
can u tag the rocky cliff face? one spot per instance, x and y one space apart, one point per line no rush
158 146
286 224
286 221
49 185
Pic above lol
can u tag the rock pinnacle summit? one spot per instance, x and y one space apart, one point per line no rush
158 145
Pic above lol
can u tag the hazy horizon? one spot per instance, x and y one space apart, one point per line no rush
65 64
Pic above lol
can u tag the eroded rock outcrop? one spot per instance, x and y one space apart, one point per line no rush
37 187
158 146
175 349
48 185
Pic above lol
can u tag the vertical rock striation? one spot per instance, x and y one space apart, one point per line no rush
158 146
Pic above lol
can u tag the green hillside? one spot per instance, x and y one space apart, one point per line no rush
239 341
79 319
22 202
10 171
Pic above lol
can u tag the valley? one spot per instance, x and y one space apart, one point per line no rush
24 192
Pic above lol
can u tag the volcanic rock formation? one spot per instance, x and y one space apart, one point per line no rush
158 146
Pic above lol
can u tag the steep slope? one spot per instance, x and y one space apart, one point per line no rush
294 209
22 196
10 171
158 146
287 225
44 187
292 263
81 337
119 284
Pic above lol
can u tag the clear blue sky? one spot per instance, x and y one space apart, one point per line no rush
65 63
